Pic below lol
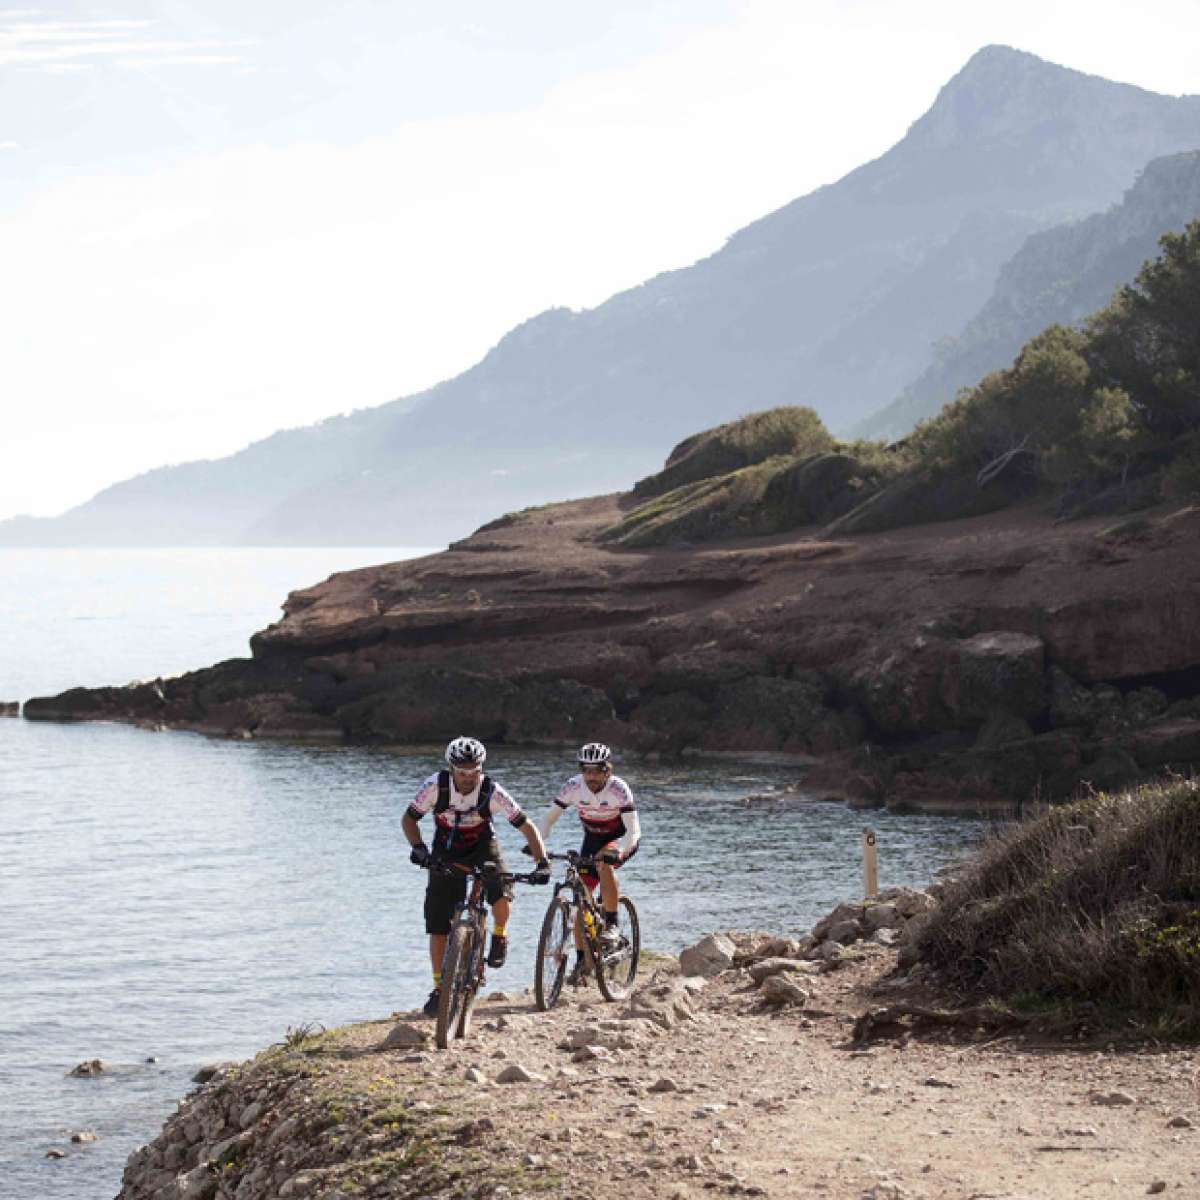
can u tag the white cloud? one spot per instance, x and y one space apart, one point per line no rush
58 44
10 145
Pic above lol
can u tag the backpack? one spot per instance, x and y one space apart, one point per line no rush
483 806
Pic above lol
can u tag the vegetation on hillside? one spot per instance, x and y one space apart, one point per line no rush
1101 419
1092 911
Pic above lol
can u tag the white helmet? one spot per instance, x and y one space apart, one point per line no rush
595 754
465 752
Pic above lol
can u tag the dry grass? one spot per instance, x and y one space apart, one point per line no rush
1095 904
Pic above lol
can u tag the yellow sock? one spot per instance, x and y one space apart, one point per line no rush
437 979
499 930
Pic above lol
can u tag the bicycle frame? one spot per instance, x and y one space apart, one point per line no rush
463 961
584 916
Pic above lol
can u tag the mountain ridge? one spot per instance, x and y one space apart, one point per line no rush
832 300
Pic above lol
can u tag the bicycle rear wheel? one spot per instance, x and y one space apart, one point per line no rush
554 947
456 982
616 970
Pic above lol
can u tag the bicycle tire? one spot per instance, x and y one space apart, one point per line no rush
456 965
615 979
554 944
474 978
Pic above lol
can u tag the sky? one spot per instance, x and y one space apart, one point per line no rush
220 218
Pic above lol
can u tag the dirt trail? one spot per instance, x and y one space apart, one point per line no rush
735 1098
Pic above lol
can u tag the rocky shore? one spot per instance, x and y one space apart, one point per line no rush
980 664
754 1065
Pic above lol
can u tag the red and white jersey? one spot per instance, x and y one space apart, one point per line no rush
601 812
462 820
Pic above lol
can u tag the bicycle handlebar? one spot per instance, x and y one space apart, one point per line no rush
472 871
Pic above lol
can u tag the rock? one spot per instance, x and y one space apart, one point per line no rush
1173 741
533 1160
83 1137
773 966
1112 1099
828 953
591 1053
997 671
1159 1185
883 916
665 1004
780 990
935 1081
844 932
843 913
250 1114
403 1035
198 1184
515 1073
1000 729
88 1069
210 1071
55 1152
1179 1122
474 1075
708 957
665 1084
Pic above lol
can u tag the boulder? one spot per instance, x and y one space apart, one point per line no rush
1172 741
883 916
1000 729
774 966
88 1069
403 1035
780 989
664 1004
997 671
840 915
708 957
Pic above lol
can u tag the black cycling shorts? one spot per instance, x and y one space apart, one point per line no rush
444 893
593 843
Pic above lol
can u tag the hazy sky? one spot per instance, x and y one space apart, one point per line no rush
223 217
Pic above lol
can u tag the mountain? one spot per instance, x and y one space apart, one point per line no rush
1058 276
832 301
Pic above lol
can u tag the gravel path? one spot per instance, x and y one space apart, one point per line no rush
734 1098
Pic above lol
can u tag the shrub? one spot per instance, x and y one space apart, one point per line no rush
745 442
1098 903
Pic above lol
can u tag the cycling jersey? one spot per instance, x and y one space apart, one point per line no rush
608 813
463 819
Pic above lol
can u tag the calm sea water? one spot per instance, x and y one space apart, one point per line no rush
182 899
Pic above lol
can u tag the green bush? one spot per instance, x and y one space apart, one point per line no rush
790 431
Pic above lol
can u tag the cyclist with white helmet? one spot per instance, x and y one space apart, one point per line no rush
463 801
606 808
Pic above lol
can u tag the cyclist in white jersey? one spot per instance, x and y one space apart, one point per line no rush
464 800
606 808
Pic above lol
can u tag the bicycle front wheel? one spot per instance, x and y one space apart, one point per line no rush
474 970
616 969
554 946
456 982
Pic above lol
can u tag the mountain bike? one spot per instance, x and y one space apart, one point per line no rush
577 911
464 959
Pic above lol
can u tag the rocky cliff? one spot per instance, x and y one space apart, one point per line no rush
974 663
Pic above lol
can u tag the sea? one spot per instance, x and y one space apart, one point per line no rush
169 900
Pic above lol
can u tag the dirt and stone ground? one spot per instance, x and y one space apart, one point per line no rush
734 1098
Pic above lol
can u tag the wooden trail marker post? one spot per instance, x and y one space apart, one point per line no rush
870 864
